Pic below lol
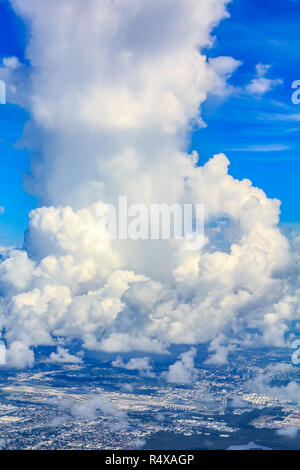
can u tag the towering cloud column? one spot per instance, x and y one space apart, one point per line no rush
113 87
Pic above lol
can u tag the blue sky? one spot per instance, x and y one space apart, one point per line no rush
267 32
259 133
13 161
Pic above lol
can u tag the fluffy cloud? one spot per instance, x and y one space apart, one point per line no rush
63 355
11 62
112 88
19 355
261 84
138 444
142 364
290 432
221 350
130 74
183 370
289 392
89 410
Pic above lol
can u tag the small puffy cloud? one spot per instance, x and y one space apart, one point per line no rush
128 388
290 432
289 392
237 402
19 355
138 444
62 355
142 364
2 209
89 410
11 62
261 84
221 350
159 417
183 370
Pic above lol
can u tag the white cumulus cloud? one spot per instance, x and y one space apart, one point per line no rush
63 355
182 371
112 89
261 84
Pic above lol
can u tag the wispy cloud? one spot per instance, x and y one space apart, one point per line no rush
283 117
260 148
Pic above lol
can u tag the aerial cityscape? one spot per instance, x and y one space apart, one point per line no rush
94 405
